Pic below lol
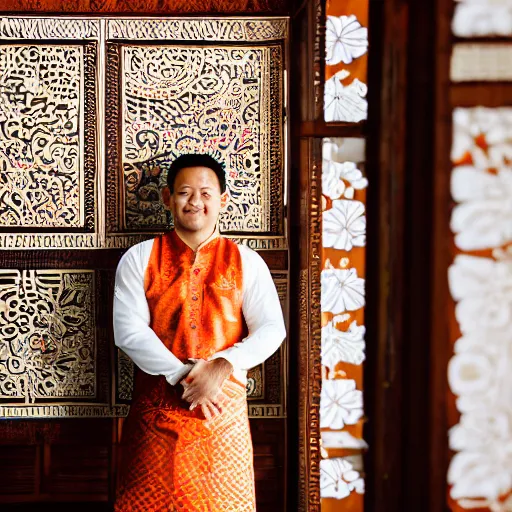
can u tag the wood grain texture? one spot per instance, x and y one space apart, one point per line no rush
75 460
44 460
494 94
307 105
386 214
440 295
148 6
419 205
269 464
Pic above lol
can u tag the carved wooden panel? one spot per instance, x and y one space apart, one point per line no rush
310 329
207 99
159 101
53 354
266 387
173 98
199 29
48 334
47 142
57 356
151 6
40 150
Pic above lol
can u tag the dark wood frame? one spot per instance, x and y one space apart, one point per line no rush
405 370
385 251
440 298
448 96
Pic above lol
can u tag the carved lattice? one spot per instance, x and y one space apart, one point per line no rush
198 99
47 331
41 136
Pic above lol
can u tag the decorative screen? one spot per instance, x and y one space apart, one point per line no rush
343 331
346 40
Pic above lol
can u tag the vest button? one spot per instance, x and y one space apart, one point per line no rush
193 326
196 271
194 297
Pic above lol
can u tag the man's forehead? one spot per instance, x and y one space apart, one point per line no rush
204 176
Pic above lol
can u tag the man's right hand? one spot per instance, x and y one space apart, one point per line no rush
205 381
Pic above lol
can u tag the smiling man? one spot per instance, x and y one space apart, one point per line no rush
194 311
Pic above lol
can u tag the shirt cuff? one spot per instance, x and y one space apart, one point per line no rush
174 377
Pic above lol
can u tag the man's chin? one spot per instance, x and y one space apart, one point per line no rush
191 227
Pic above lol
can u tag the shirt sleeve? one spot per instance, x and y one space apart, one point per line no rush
262 312
132 332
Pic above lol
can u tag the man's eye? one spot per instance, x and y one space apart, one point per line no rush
182 193
205 194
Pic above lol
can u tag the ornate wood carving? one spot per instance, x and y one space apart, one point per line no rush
48 28
225 97
310 367
193 29
315 370
268 401
48 331
150 6
48 118
54 355
319 60
201 99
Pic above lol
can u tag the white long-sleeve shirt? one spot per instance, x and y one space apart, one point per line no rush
132 332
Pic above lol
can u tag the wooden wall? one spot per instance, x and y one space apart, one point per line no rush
70 462
408 132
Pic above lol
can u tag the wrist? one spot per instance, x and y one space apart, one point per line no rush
224 366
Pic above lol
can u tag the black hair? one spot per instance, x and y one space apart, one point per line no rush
196 160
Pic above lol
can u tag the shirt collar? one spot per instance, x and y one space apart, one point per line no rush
211 238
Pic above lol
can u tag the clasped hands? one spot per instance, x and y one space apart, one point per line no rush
203 386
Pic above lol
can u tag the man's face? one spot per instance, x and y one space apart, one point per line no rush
196 200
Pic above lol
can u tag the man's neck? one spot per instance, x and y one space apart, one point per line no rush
194 239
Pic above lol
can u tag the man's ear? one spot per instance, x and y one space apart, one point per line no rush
224 198
166 197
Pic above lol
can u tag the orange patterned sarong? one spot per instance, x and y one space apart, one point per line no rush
173 459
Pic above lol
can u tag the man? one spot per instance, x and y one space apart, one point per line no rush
194 311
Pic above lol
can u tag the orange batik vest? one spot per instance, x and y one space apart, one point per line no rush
173 459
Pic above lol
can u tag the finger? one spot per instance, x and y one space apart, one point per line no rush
216 408
219 399
213 409
192 396
193 405
206 411
190 392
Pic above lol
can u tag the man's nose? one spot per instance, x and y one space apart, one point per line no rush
196 199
